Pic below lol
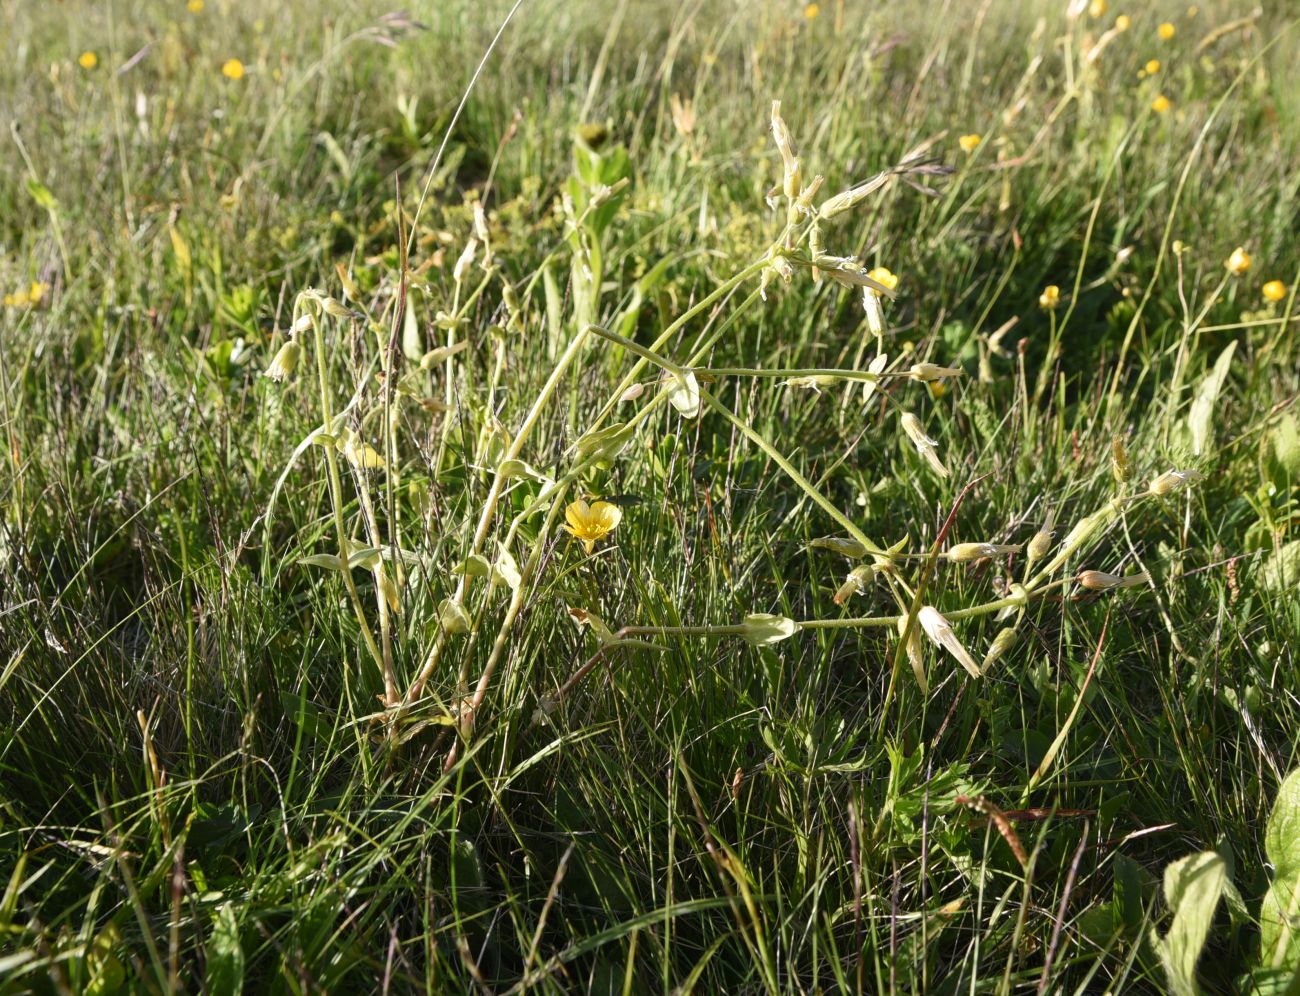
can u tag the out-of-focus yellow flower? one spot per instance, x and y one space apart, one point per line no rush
1160 104
1152 67
233 69
1238 263
195 6
1274 290
811 11
968 143
18 299
591 523
1050 298
1123 22
1097 8
37 291
88 60
1166 31
883 275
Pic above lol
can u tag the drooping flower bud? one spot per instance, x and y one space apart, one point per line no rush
939 630
1003 642
1171 481
762 628
1101 581
926 446
927 372
964 552
285 361
855 583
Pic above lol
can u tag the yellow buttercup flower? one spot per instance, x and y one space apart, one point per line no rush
591 523
1152 67
968 143
811 11
1050 298
881 275
1166 31
1160 104
1123 22
1238 263
233 69
38 290
1274 290
88 60
1097 8
195 6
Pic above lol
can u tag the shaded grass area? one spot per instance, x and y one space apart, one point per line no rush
197 784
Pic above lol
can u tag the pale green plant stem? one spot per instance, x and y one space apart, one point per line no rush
385 634
707 302
512 613
791 472
336 500
494 495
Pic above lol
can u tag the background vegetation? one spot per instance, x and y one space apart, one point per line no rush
198 788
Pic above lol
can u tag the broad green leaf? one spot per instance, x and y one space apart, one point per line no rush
1279 915
1201 418
1193 886
1282 569
225 953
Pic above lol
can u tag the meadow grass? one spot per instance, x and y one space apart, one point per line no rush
323 681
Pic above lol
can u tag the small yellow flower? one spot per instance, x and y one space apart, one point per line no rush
195 6
1152 67
1165 31
1160 104
1097 8
811 11
39 289
18 299
1050 298
88 60
968 143
882 275
1123 22
1274 290
591 523
1238 263
233 69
